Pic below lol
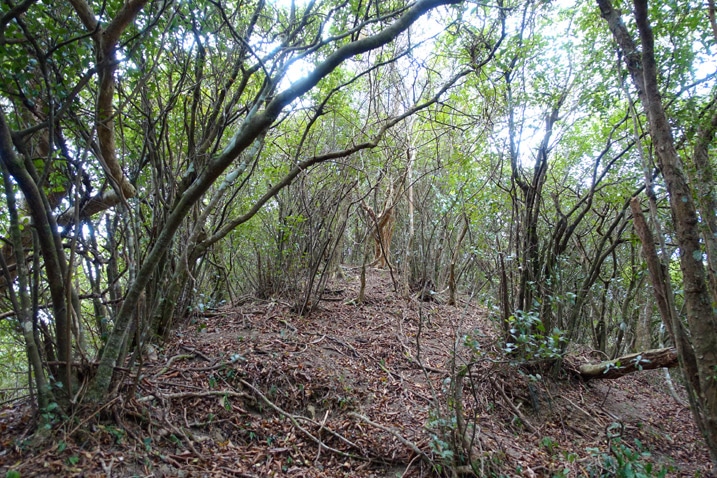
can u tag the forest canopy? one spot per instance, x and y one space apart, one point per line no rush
553 161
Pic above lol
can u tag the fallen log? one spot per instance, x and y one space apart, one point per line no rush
647 360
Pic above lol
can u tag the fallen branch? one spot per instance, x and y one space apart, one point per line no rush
208 393
647 360
396 434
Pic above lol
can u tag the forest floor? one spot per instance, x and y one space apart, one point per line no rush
363 390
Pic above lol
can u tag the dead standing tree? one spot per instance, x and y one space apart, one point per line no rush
382 224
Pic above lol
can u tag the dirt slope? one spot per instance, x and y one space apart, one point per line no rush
356 391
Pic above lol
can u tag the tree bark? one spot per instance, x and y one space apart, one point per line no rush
106 40
647 360
704 184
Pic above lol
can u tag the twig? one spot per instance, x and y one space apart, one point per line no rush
323 423
181 433
171 361
347 345
410 463
335 434
196 352
390 373
426 368
515 409
14 399
584 412
94 413
210 367
237 473
407 355
107 468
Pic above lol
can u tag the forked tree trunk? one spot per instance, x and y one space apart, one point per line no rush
21 301
382 239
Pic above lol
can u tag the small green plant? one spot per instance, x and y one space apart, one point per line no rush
345 403
441 428
625 462
549 443
441 448
49 415
117 433
570 457
13 474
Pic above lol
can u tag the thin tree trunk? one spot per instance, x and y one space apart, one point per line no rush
454 258
704 183
50 243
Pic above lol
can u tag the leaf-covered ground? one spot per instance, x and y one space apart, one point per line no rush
353 390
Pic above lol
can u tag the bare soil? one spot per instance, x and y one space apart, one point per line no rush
356 390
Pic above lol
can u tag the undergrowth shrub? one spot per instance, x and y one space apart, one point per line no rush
529 341
622 461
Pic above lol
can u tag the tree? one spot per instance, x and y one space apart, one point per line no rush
697 353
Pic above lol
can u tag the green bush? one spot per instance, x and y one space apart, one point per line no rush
528 339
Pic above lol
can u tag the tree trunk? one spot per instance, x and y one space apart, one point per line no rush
704 184
663 294
454 259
